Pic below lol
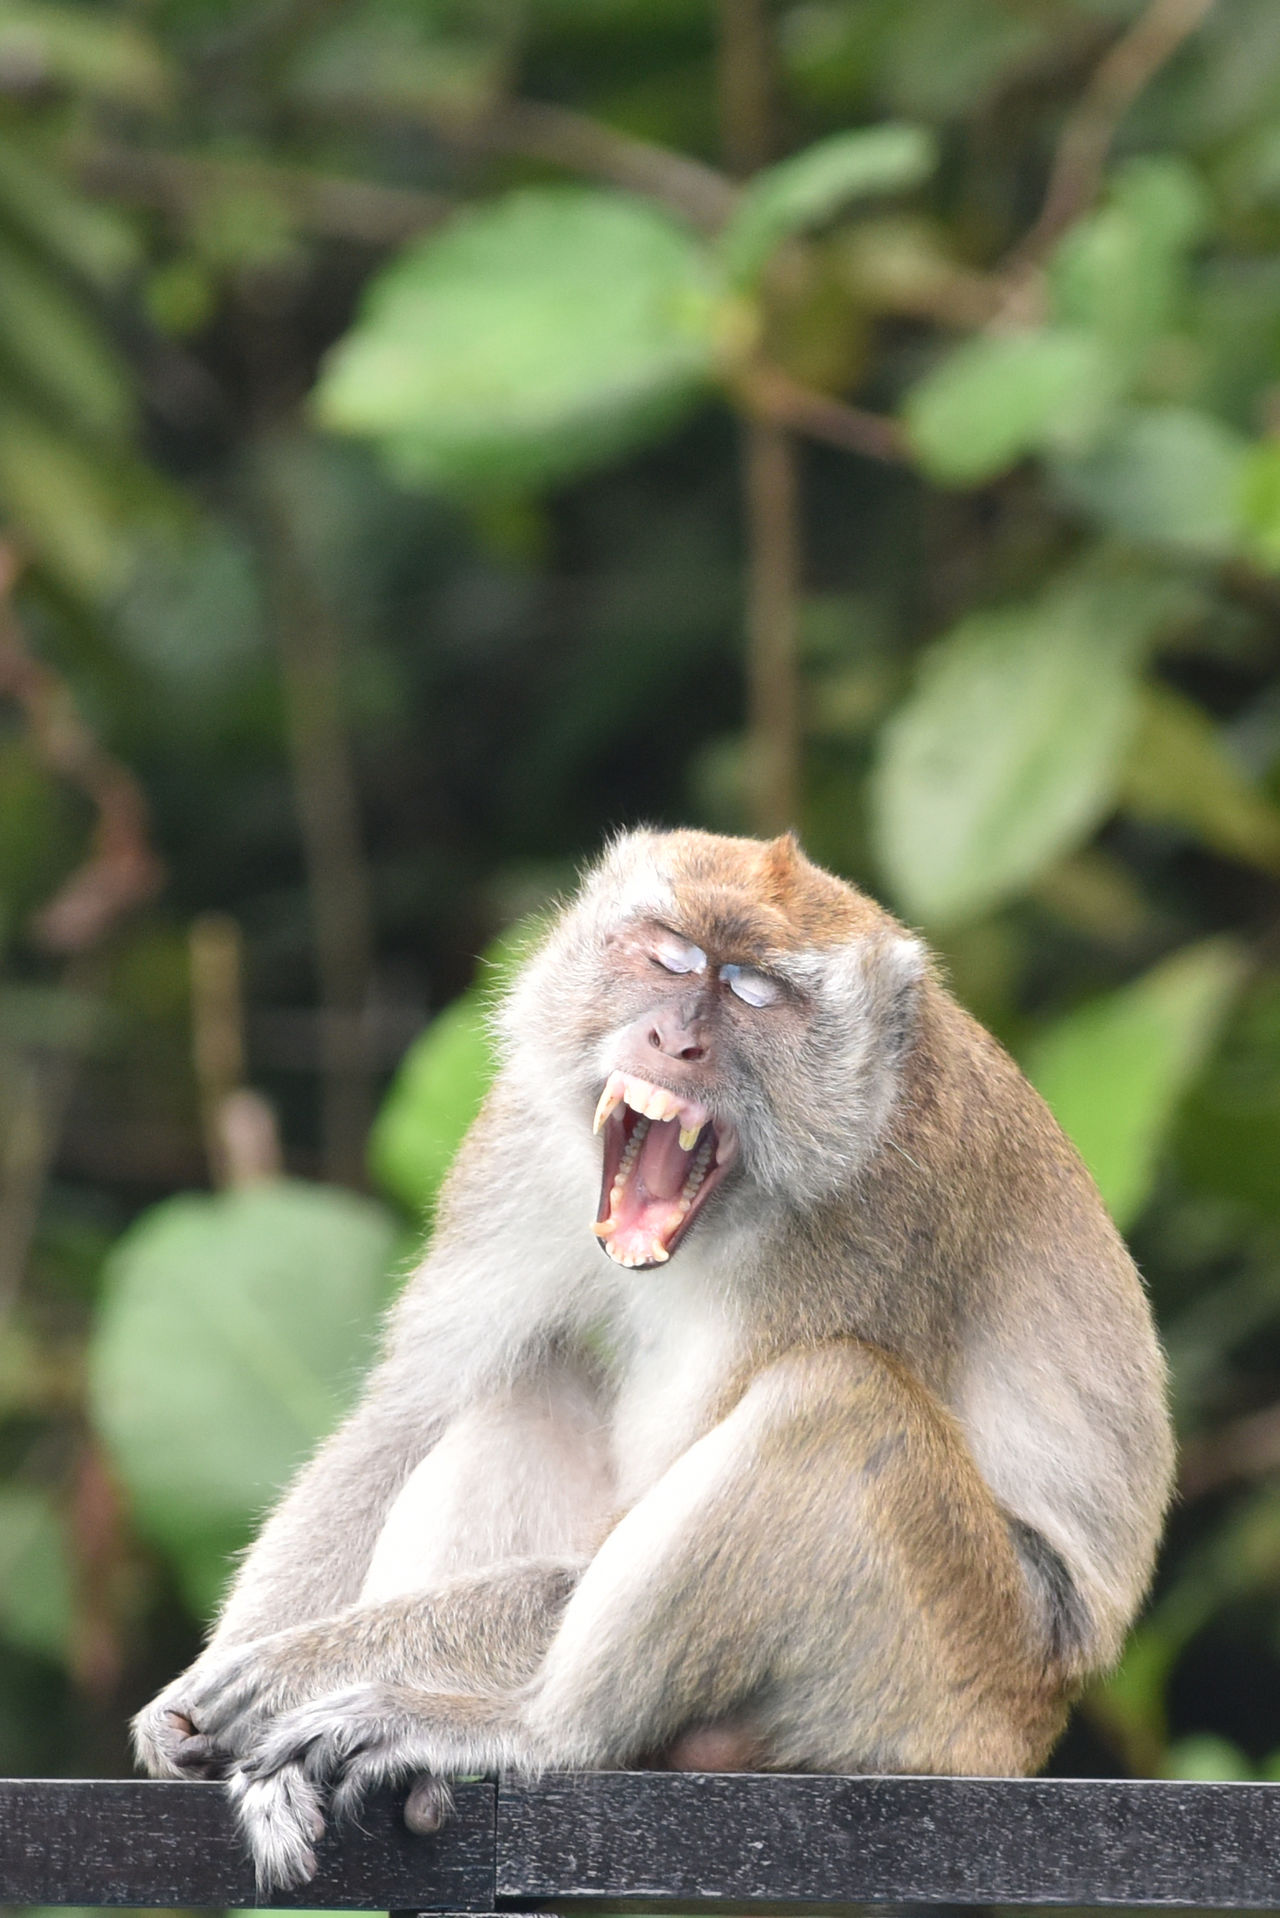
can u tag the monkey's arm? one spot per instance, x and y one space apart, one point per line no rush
479 1629
825 1566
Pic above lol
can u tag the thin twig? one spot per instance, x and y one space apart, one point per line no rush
536 130
771 394
35 1109
122 870
771 485
1248 1447
1122 74
557 136
242 1143
311 664
746 82
770 476
180 183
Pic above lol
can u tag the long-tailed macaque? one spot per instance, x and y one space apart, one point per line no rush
776 1393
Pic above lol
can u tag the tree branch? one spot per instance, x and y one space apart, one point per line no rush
535 130
1123 73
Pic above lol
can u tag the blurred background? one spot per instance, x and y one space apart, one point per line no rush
434 433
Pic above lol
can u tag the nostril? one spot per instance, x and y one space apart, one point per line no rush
692 1052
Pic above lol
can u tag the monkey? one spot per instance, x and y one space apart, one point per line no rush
775 1393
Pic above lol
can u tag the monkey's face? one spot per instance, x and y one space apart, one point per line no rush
734 1016
668 1140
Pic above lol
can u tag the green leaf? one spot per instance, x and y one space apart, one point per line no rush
1229 1136
232 1333
1208 1756
530 339
1008 751
943 59
1179 772
813 186
65 504
1114 1071
49 339
1122 270
1001 396
1169 477
1260 505
87 239
433 1099
402 61
82 49
35 1576
441 1083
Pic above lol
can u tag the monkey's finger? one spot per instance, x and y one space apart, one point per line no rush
200 1757
429 1806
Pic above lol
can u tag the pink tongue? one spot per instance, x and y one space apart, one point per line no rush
662 1165
646 1212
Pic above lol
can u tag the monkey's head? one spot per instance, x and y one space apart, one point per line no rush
733 1016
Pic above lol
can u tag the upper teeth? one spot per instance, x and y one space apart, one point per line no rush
651 1102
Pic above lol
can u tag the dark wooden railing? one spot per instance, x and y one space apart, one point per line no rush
659 1840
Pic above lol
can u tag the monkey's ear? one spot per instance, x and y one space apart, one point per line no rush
886 971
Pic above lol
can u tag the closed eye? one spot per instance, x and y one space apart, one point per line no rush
753 988
678 955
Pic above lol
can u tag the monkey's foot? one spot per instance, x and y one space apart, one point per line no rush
282 1819
429 1806
339 1748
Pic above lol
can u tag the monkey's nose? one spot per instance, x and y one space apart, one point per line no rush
669 1034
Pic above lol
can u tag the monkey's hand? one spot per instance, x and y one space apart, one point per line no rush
167 1745
329 1754
222 1707
213 1713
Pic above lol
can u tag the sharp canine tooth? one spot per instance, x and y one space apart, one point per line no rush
609 1098
689 1137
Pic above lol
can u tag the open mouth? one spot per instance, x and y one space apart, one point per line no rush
663 1156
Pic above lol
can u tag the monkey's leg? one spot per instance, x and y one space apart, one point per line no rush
516 1491
825 1570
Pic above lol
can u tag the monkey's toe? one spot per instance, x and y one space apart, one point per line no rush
429 1806
727 1746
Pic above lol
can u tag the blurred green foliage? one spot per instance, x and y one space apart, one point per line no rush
373 385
